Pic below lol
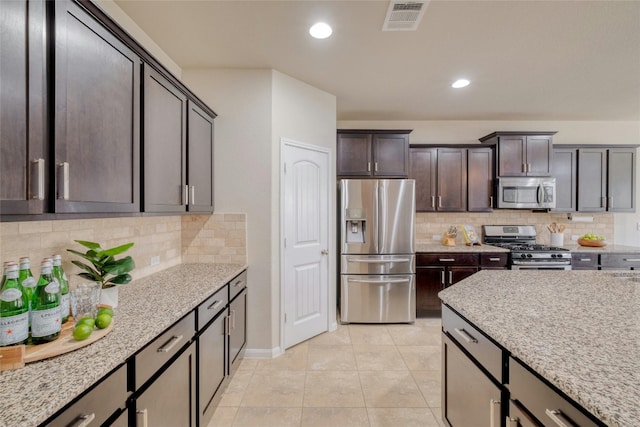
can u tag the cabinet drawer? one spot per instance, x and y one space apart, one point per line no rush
584 260
488 354
447 259
99 403
493 259
518 418
163 348
212 306
237 285
628 260
541 400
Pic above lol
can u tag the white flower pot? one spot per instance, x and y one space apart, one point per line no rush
109 296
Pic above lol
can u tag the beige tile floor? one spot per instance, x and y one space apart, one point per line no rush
356 376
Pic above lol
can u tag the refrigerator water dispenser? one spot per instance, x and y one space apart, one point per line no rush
356 229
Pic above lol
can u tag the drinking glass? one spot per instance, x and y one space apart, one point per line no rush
84 300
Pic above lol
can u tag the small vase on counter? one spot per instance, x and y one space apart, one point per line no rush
109 296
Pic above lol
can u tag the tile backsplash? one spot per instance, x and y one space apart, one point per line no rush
429 224
173 239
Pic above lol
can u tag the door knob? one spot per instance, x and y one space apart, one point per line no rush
325 252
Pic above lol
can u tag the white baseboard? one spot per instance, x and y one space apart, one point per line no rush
261 353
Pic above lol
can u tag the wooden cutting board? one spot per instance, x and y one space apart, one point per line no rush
16 356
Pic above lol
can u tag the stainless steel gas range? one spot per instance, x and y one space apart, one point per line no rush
525 253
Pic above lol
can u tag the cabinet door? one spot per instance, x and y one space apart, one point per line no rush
621 180
511 156
391 155
539 154
423 166
22 107
354 155
592 179
97 116
565 170
237 329
456 274
468 395
452 180
212 367
479 179
171 399
165 139
429 281
200 150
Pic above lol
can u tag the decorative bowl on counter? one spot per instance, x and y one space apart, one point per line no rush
592 243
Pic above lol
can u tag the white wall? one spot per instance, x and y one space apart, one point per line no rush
255 109
467 132
118 15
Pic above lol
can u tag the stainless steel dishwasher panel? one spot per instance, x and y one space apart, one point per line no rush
378 299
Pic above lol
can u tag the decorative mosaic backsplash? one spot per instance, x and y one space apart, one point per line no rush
429 224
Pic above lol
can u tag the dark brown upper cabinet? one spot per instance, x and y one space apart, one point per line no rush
565 171
178 149
165 145
373 153
23 100
97 116
200 168
441 178
522 153
606 179
480 179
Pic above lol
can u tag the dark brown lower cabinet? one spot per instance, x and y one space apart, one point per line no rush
170 400
237 329
212 364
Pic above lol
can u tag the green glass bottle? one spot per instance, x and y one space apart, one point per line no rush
14 308
58 273
27 281
45 306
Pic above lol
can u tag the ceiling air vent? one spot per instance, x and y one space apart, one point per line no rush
404 16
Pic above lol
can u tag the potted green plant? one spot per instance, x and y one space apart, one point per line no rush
104 268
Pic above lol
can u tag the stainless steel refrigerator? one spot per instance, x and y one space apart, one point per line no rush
377 251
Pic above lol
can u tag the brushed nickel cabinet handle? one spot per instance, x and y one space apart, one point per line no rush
512 422
585 259
631 259
494 259
170 344
492 417
524 167
193 195
368 166
83 420
442 278
37 179
450 277
491 201
465 335
185 195
141 418
610 203
446 259
375 167
558 418
439 201
233 319
215 305
433 202
227 330
63 181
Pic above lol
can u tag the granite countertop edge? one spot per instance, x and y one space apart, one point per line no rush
437 247
147 307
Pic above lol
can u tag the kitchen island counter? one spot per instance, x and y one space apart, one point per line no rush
580 330
147 307
610 248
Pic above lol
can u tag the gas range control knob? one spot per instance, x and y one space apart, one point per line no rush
553 255
523 255
529 256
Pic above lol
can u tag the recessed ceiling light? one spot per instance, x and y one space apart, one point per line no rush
460 83
320 30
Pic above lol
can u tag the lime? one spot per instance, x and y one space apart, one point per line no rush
82 332
106 310
86 321
103 320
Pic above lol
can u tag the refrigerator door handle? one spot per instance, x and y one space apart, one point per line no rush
378 261
405 280
377 232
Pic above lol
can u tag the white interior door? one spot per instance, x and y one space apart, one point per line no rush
305 228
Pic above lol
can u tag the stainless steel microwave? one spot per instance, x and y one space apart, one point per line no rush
526 193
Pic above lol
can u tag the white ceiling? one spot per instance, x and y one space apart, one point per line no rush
527 60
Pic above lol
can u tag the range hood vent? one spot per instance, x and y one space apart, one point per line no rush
404 16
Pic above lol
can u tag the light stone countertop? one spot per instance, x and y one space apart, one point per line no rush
610 248
147 307
578 329
437 247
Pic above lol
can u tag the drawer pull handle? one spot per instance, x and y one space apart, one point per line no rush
84 420
494 259
141 418
442 278
215 305
492 417
585 259
631 259
558 417
446 259
238 283
466 336
450 277
512 422
170 344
